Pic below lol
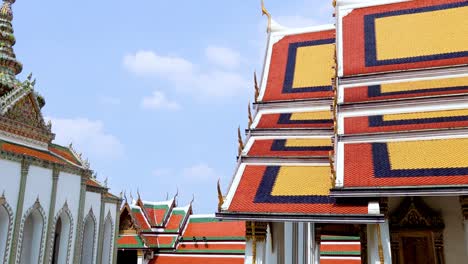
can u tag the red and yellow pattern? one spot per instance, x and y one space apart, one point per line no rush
288 189
301 67
440 162
407 89
406 122
299 147
310 119
403 36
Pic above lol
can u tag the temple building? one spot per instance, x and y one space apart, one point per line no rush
359 139
163 233
52 209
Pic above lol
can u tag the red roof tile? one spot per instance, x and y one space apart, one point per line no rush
30 152
251 197
213 228
274 121
406 163
360 44
64 153
278 148
281 73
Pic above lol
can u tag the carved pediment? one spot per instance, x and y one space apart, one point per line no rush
127 224
26 111
413 213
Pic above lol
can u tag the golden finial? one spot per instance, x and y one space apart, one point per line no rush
220 196
334 3
266 13
250 115
257 89
240 142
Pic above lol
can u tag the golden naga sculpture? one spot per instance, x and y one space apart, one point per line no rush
240 142
257 89
220 196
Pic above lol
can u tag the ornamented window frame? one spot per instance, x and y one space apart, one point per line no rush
93 217
109 217
64 210
4 203
37 206
413 216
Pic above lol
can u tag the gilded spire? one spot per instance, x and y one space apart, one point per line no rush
9 66
266 13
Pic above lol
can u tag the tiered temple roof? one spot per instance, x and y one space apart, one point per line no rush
284 170
175 235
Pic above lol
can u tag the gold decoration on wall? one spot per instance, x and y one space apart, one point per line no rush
332 168
381 253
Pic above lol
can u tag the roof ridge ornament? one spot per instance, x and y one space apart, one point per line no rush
257 89
250 115
266 13
240 142
220 196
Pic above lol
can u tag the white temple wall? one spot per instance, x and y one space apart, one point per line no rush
38 185
454 240
271 253
110 209
10 183
288 245
68 190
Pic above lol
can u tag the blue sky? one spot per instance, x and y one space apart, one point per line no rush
152 92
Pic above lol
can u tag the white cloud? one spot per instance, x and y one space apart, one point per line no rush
87 136
187 77
222 56
158 100
200 171
149 63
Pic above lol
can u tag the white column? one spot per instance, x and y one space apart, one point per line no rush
373 241
310 243
140 256
248 252
288 245
260 258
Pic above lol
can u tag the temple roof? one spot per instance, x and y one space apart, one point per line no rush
183 237
284 171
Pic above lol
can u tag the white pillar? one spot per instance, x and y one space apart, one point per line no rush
288 245
140 256
248 252
374 241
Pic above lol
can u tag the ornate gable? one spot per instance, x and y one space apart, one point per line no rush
26 111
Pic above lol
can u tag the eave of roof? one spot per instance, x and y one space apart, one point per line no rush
316 218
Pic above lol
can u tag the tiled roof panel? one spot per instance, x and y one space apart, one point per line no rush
140 218
156 213
130 241
406 163
288 189
406 121
211 248
155 241
23 150
406 90
213 229
301 67
316 119
64 153
291 147
404 36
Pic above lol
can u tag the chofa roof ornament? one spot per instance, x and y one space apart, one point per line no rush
273 26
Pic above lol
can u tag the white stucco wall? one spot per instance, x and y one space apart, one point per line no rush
454 240
112 210
10 183
38 185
